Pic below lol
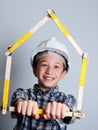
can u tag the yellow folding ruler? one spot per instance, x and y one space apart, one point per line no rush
83 55
79 51
26 35
8 54
6 84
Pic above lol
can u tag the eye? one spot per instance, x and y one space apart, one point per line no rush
43 64
56 66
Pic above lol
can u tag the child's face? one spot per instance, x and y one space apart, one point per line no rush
49 71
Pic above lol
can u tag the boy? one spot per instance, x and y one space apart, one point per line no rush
50 63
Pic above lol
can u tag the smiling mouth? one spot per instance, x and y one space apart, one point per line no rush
49 78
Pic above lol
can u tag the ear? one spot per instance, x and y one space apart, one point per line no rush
63 74
34 71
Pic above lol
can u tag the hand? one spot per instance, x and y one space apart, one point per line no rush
27 107
55 110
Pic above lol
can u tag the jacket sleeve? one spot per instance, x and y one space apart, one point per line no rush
70 101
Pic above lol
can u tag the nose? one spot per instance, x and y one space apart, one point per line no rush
49 70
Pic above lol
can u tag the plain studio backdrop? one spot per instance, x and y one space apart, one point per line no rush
80 17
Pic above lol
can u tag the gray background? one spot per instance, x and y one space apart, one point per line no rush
80 17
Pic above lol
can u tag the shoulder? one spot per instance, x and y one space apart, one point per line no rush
24 93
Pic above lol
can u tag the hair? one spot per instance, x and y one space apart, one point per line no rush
35 61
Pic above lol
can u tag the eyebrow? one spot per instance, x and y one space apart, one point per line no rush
47 61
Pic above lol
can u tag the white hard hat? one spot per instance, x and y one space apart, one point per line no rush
51 45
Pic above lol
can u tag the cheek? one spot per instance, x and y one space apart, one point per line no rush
59 75
59 72
63 74
40 71
36 71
